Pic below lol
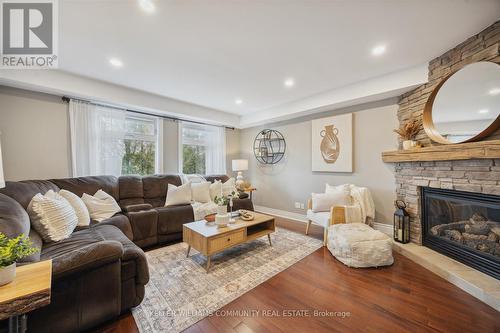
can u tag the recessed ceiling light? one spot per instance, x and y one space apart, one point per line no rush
378 50
483 111
494 91
238 101
116 62
147 5
290 82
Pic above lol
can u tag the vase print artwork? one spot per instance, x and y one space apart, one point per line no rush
330 144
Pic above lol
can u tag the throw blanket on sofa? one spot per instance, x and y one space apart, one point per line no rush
363 198
200 210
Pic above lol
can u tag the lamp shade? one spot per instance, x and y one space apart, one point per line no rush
2 179
240 165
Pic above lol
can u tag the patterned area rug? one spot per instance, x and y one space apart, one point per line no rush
180 292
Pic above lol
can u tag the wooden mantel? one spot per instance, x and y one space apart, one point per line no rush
461 151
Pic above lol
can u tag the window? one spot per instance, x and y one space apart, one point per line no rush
202 149
140 143
111 141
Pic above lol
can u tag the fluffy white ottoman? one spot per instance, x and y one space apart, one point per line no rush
358 245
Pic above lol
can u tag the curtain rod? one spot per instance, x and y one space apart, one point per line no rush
67 99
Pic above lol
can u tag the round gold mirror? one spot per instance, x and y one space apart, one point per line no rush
465 106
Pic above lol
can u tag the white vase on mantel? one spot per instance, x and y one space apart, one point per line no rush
409 144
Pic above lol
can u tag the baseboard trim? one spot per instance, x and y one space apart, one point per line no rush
385 228
281 213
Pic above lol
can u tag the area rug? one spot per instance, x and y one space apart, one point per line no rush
180 292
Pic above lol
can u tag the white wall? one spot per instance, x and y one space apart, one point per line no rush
281 185
35 135
36 142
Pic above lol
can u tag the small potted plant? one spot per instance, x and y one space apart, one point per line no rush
408 132
11 250
223 200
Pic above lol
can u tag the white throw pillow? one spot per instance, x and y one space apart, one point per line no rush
215 189
201 192
229 186
338 189
322 202
52 216
101 205
178 195
78 205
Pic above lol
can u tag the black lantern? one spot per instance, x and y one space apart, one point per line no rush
401 223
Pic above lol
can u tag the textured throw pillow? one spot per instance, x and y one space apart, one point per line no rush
322 202
215 189
78 205
101 205
52 216
339 189
229 186
178 195
201 192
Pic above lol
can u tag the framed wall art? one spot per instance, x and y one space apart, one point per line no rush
332 144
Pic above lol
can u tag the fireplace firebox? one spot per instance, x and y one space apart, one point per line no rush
464 226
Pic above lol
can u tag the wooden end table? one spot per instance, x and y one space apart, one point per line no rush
30 290
210 239
250 190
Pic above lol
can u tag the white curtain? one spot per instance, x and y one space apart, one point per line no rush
213 138
97 135
215 162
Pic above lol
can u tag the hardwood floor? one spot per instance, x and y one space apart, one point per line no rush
402 298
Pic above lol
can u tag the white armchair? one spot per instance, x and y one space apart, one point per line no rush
355 213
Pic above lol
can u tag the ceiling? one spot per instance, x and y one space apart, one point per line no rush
211 53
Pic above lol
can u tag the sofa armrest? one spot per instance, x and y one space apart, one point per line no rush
137 208
121 222
86 258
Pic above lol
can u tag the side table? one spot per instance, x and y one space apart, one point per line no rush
250 190
30 290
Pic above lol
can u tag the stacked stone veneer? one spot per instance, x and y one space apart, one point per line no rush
481 176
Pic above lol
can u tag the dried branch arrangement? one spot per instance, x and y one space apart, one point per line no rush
409 130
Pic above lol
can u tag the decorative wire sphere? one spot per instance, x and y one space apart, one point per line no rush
269 146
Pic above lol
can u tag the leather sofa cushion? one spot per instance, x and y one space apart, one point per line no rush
90 185
93 247
131 190
213 178
24 191
155 188
171 219
13 218
121 222
15 221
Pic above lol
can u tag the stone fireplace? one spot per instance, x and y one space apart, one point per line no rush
477 176
464 226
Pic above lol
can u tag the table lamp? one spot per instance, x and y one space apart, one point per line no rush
239 166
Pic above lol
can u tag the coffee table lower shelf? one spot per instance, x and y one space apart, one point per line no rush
210 240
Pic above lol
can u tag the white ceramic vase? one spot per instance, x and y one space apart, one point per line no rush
409 144
7 274
222 210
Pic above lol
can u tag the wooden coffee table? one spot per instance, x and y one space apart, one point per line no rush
210 239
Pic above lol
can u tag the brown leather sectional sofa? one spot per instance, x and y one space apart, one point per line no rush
101 270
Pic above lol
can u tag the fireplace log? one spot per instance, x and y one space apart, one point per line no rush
454 235
477 228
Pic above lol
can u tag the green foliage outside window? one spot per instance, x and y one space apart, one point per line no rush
193 159
139 158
